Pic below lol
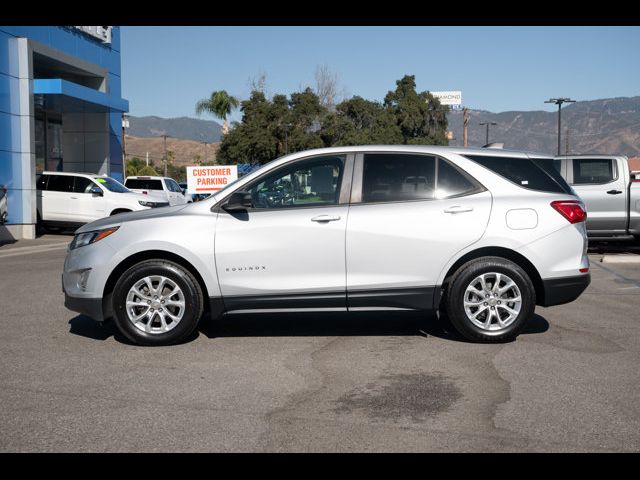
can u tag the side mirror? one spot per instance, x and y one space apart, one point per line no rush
238 202
96 191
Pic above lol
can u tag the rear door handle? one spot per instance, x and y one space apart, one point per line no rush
325 218
614 192
458 209
74 198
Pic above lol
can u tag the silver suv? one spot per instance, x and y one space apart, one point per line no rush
485 235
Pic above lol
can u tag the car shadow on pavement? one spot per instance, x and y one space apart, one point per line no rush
307 325
84 326
342 324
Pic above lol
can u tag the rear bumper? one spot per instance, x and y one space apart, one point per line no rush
564 290
91 307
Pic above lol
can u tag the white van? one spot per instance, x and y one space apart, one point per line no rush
70 199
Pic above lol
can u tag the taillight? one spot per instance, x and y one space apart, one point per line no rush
572 210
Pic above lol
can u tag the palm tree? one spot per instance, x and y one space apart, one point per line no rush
220 104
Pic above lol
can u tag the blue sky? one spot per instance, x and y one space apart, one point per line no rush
165 70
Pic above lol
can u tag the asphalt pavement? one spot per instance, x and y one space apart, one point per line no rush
358 382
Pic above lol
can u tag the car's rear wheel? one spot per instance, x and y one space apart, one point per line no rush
157 302
490 299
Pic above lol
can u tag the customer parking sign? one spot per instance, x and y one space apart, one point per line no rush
210 179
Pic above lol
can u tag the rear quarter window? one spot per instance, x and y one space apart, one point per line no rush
532 174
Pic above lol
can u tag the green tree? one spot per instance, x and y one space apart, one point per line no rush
133 165
220 104
360 122
148 170
420 117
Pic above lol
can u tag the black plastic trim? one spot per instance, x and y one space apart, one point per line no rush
412 298
91 307
558 291
298 300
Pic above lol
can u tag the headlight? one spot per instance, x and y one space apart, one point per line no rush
145 203
87 238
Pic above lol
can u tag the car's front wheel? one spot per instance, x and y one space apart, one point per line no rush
490 299
157 302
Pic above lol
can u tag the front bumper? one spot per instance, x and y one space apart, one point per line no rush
564 290
91 307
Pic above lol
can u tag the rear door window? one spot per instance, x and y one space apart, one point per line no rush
142 184
532 174
393 177
592 171
60 183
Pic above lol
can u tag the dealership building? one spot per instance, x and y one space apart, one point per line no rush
60 110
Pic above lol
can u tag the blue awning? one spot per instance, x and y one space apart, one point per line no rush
65 96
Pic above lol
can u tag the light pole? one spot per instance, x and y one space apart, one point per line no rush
488 124
559 102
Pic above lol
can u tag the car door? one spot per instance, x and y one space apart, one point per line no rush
409 215
287 250
176 192
86 206
56 198
602 187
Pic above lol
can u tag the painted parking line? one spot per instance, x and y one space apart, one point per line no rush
14 252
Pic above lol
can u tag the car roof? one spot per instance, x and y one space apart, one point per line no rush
427 149
146 177
70 174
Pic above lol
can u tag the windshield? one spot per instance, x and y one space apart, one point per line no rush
111 184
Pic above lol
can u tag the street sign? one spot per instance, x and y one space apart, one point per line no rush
453 98
210 179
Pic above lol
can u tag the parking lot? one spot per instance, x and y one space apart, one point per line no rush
359 382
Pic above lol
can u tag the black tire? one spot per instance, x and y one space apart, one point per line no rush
454 301
194 302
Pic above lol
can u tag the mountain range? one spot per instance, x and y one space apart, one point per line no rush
606 126
185 128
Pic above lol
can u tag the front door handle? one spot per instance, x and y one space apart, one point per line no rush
74 198
614 192
458 209
325 218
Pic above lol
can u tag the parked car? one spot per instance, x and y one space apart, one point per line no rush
163 188
189 196
71 199
486 237
4 209
610 193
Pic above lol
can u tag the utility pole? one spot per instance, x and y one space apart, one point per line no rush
559 102
165 153
286 138
205 152
147 159
125 124
566 148
465 122
488 124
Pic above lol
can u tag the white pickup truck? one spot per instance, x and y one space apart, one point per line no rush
163 188
610 193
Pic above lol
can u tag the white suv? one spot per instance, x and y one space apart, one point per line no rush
163 188
71 199
485 235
